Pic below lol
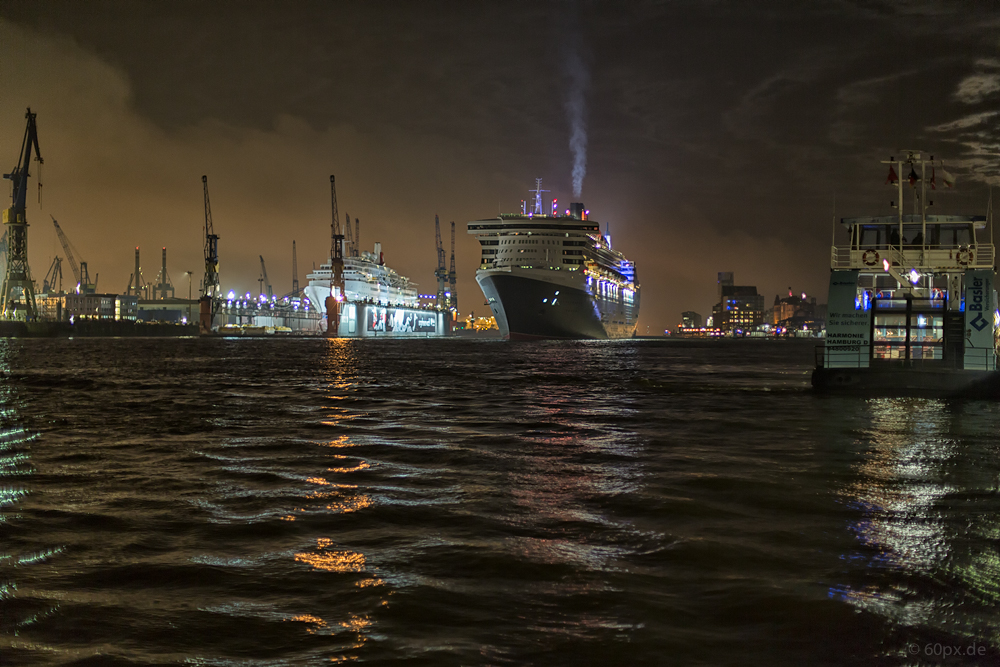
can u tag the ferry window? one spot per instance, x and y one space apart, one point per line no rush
953 236
912 235
873 237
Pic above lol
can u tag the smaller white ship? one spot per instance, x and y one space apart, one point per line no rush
376 301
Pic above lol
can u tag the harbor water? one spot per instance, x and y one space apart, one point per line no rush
472 502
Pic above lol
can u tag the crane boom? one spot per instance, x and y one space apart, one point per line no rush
349 249
68 249
263 276
79 266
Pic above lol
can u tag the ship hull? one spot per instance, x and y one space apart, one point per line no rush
938 383
371 320
529 308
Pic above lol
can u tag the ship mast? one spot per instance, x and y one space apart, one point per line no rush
538 197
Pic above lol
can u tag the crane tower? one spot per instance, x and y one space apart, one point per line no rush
212 288
440 273
295 273
336 295
452 287
18 292
265 282
163 284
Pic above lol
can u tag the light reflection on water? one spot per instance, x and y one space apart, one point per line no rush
15 470
908 501
289 502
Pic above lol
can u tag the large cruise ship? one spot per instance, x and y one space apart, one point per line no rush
555 275
377 301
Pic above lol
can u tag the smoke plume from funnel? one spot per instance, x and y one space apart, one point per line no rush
576 105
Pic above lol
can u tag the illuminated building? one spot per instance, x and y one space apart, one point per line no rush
740 307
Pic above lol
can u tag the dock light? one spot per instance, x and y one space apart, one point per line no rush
914 276
231 295
885 265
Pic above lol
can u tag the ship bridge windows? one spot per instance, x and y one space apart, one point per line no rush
939 235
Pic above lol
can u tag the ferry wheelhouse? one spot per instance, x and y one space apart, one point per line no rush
912 302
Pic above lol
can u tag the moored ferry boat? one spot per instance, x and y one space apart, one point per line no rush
912 305
555 275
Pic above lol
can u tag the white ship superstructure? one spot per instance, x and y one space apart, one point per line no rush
377 301
555 275
366 279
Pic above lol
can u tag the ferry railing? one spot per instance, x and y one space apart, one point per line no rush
842 356
904 258
858 356
980 359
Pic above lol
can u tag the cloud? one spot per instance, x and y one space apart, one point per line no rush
977 87
116 180
965 123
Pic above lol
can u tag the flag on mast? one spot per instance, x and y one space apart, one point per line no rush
946 178
933 182
892 179
913 178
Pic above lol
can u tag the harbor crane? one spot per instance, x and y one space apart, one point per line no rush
265 283
54 273
452 287
208 303
163 284
136 285
295 273
350 250
337 292
440 273
18 292
80 272
211 288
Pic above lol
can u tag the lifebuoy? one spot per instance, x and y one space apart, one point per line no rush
870 257
964 256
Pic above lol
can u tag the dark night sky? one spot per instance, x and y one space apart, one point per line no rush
720 134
